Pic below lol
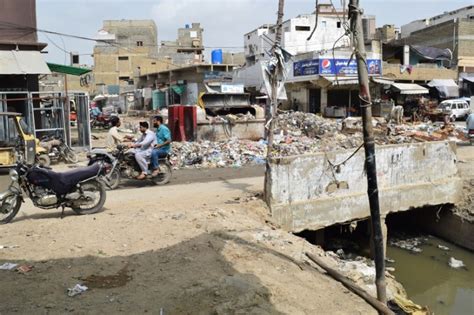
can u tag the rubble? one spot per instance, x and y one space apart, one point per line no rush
455 263
299 133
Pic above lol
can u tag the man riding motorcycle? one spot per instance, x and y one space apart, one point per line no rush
143 148
113 136
163 146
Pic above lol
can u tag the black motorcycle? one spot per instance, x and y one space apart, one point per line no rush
79 189
121 163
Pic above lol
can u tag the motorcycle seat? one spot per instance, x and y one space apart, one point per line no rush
63 182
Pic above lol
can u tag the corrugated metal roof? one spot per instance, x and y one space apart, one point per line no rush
409 88
22 62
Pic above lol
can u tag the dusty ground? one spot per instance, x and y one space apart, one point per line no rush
203 248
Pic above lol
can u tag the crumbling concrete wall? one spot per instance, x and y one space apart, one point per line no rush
306 192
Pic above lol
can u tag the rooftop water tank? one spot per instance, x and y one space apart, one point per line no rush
216 56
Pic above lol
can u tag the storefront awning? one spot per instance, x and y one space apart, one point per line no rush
469 79
22 62
446 88
342 80
382 81
68 69
410 88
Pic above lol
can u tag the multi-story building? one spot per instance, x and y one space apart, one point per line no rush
299 35
187 48
125 49
451 30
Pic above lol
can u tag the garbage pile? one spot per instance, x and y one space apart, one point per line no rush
304 133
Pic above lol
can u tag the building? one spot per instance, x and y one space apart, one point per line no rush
187 48
387 33
125 49
451 30
462 13
296 31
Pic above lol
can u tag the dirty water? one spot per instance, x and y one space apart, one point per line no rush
430 281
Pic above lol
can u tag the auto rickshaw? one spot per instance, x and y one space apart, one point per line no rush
15 140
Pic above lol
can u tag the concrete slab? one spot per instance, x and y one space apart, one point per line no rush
313 191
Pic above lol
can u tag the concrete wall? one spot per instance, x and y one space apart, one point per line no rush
304 192
420 72
250 130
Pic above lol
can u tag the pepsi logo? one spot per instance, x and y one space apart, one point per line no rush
326 64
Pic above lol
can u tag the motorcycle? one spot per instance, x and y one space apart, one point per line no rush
58 150
101 120
121 163
79 189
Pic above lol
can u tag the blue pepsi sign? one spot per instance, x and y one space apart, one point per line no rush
329 66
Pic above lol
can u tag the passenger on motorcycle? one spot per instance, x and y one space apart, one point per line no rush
143 148
163 144
113 136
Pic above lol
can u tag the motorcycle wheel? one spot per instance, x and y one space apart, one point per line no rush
95 188
70 156
9 208
43 160
164 176
113 180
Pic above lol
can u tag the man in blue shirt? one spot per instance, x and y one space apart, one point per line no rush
163 146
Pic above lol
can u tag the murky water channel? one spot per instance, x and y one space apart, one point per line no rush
430 281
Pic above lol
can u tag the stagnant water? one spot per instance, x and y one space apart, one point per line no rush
430 281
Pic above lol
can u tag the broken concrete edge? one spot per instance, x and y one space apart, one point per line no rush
285 160
331 207
296 207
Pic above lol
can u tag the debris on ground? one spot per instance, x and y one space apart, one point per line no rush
443 247
8 246
8 266
24 268
76 290
455 263
411 245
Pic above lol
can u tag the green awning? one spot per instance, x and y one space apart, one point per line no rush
178 89
68 69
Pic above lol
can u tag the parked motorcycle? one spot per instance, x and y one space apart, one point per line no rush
101 121
121 163
79 189
58 150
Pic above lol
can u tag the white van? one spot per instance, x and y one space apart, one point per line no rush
457 108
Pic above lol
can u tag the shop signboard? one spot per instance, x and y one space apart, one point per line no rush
329 66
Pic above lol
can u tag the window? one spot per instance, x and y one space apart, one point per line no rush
323 23
153 63
139 43
123 57
248 36
124 78
338 24
302 28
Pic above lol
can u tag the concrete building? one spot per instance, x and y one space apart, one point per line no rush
462 13
125 49
296 32
187 48
387 33
452 30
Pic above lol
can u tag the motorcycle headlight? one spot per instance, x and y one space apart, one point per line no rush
13 175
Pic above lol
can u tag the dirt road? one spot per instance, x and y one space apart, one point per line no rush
180 249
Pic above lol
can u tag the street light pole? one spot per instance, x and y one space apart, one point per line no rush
369 145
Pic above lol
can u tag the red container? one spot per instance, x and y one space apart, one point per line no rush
182 122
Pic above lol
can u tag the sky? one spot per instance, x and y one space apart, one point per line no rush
224 21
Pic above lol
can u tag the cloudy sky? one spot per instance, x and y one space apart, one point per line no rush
224 21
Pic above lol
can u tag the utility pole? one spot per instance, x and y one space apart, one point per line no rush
271 111
355 14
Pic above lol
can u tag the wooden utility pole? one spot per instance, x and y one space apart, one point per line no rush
355 16
271 112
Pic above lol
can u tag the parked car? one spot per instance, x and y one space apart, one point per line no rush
456 108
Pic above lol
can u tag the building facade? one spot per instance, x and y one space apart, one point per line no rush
125 49
187 49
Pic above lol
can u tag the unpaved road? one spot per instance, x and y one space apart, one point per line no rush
183 249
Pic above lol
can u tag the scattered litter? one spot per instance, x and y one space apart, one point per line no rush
443 247
409 244
454 263
8 246
24 268
76 290
8 266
